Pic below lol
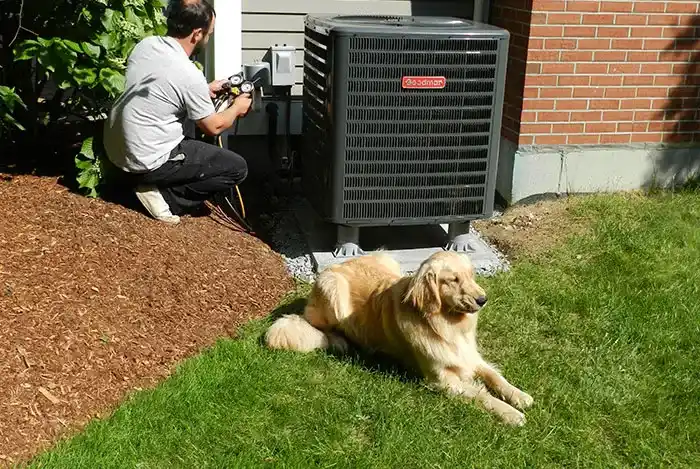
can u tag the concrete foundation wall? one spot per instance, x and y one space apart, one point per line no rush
529 171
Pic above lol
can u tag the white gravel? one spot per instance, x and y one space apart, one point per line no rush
286 238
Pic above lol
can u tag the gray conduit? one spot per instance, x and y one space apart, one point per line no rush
481 10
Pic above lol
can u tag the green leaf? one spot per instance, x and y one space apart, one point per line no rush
107 19
86 149
92 50
9 98
26 50
127 47
83 164
111 19
84 76
160 30
74 46
67 55
86 13
89 179
112 81
108 40
135 21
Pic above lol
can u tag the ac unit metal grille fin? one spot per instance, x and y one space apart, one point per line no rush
398 210
379 148
415 114
418 153
409 128
423 60
433 155
318 168
406 184
421 193
420 100
389 72
413 141
416 45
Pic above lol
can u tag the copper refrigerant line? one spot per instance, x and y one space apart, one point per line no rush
234 86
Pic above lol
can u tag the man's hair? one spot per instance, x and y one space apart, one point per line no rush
184 16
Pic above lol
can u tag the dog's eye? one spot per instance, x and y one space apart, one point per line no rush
455 279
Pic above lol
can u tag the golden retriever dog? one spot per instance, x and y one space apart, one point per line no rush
427 321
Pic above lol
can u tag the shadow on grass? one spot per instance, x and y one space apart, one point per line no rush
372 362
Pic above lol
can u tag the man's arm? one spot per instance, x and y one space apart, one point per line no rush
217 122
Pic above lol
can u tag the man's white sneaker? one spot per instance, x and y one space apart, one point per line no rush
153 201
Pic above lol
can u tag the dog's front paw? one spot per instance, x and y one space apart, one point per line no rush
514 418
522 400
338 344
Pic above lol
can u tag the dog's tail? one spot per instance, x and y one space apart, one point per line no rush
293 332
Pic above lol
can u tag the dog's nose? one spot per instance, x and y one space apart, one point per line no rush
481 301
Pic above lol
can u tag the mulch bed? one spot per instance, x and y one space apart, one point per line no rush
97 300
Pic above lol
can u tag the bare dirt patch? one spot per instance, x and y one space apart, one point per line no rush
531 229
97 300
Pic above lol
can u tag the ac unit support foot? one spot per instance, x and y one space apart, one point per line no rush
458 234
348 242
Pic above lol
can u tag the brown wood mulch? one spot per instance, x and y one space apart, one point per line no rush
97 300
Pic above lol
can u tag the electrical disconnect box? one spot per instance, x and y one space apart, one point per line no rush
282 64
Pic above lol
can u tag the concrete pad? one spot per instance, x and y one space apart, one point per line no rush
409 245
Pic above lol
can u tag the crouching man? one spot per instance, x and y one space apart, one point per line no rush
144 136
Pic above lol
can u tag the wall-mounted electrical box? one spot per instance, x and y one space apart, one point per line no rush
282 63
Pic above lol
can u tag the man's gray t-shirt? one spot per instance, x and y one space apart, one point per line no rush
163 88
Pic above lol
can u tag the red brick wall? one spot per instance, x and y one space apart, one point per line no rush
601 72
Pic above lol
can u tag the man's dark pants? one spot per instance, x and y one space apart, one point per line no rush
194 173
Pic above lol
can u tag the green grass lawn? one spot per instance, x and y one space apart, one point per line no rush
603 332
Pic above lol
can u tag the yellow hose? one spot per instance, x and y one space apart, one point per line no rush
238 191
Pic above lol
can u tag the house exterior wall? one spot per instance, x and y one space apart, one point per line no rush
602 72
269 22
589 78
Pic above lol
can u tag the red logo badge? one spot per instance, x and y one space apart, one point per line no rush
423 83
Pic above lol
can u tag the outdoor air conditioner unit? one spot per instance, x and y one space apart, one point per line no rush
401 121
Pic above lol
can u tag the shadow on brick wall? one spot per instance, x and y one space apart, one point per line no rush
516 17
681 116
512 15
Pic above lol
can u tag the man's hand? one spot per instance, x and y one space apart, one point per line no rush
242 103
215 87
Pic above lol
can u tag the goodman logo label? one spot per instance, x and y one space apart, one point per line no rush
424 83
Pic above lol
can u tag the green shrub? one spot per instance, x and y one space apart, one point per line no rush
9 101
87 64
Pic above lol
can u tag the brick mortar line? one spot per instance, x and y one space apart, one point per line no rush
623 74
614 129
543 148
606 87
609 133
633 121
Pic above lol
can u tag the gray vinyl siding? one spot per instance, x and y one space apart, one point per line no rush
269 22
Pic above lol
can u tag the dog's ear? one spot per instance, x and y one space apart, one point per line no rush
424 293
